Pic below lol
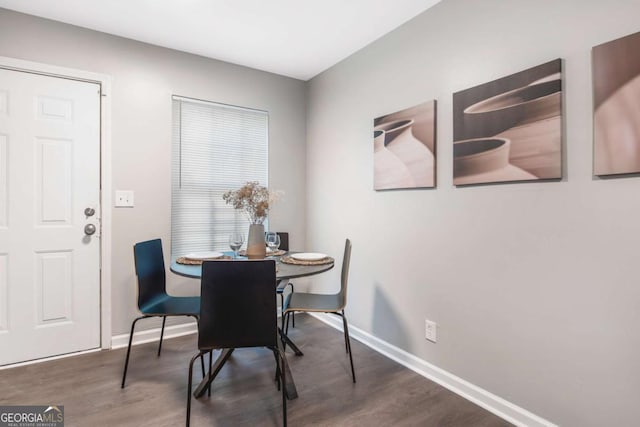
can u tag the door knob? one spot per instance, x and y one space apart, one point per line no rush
89 229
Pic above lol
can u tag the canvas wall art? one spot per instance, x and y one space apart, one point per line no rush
510 129
404 147
616 106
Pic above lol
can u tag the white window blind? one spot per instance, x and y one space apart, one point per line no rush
215 148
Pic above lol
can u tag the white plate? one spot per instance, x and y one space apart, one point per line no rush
308 256
204 255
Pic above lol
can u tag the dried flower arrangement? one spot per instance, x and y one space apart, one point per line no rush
254 199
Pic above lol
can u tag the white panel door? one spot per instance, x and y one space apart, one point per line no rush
49 174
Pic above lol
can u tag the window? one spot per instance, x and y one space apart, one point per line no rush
215 148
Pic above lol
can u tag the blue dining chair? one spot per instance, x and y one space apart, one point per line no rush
153 300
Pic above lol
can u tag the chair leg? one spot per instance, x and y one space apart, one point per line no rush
276 355
202 365
202 358
348 340
293 315
164 319
190 384
126 360
346 333
210 364
281 367
282 315
288 315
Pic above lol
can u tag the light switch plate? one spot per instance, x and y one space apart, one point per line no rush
124 199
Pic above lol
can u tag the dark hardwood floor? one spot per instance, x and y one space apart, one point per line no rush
244 393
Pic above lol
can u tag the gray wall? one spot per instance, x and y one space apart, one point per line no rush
144 78
534 287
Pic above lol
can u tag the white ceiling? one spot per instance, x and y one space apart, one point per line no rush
295 38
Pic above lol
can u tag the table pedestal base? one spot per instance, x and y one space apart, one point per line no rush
289 387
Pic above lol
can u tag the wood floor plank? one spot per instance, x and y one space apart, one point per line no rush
244 393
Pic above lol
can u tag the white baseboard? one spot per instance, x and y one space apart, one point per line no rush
151 335
489 401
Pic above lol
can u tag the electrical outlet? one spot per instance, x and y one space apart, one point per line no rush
430 330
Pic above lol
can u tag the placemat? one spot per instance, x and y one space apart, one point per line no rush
189 261
288 260
279 252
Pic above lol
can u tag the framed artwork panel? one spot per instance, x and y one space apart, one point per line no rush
404 148
616 106
510 129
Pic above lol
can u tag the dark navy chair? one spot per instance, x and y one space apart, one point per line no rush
238 309
153 300
282 284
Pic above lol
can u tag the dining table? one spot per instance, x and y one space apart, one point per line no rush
284 271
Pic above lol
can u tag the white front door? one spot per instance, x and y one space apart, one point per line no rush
49 175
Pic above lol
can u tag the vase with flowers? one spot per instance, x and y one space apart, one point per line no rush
255 200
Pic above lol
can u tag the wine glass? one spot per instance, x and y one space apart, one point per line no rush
273 241
235 242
